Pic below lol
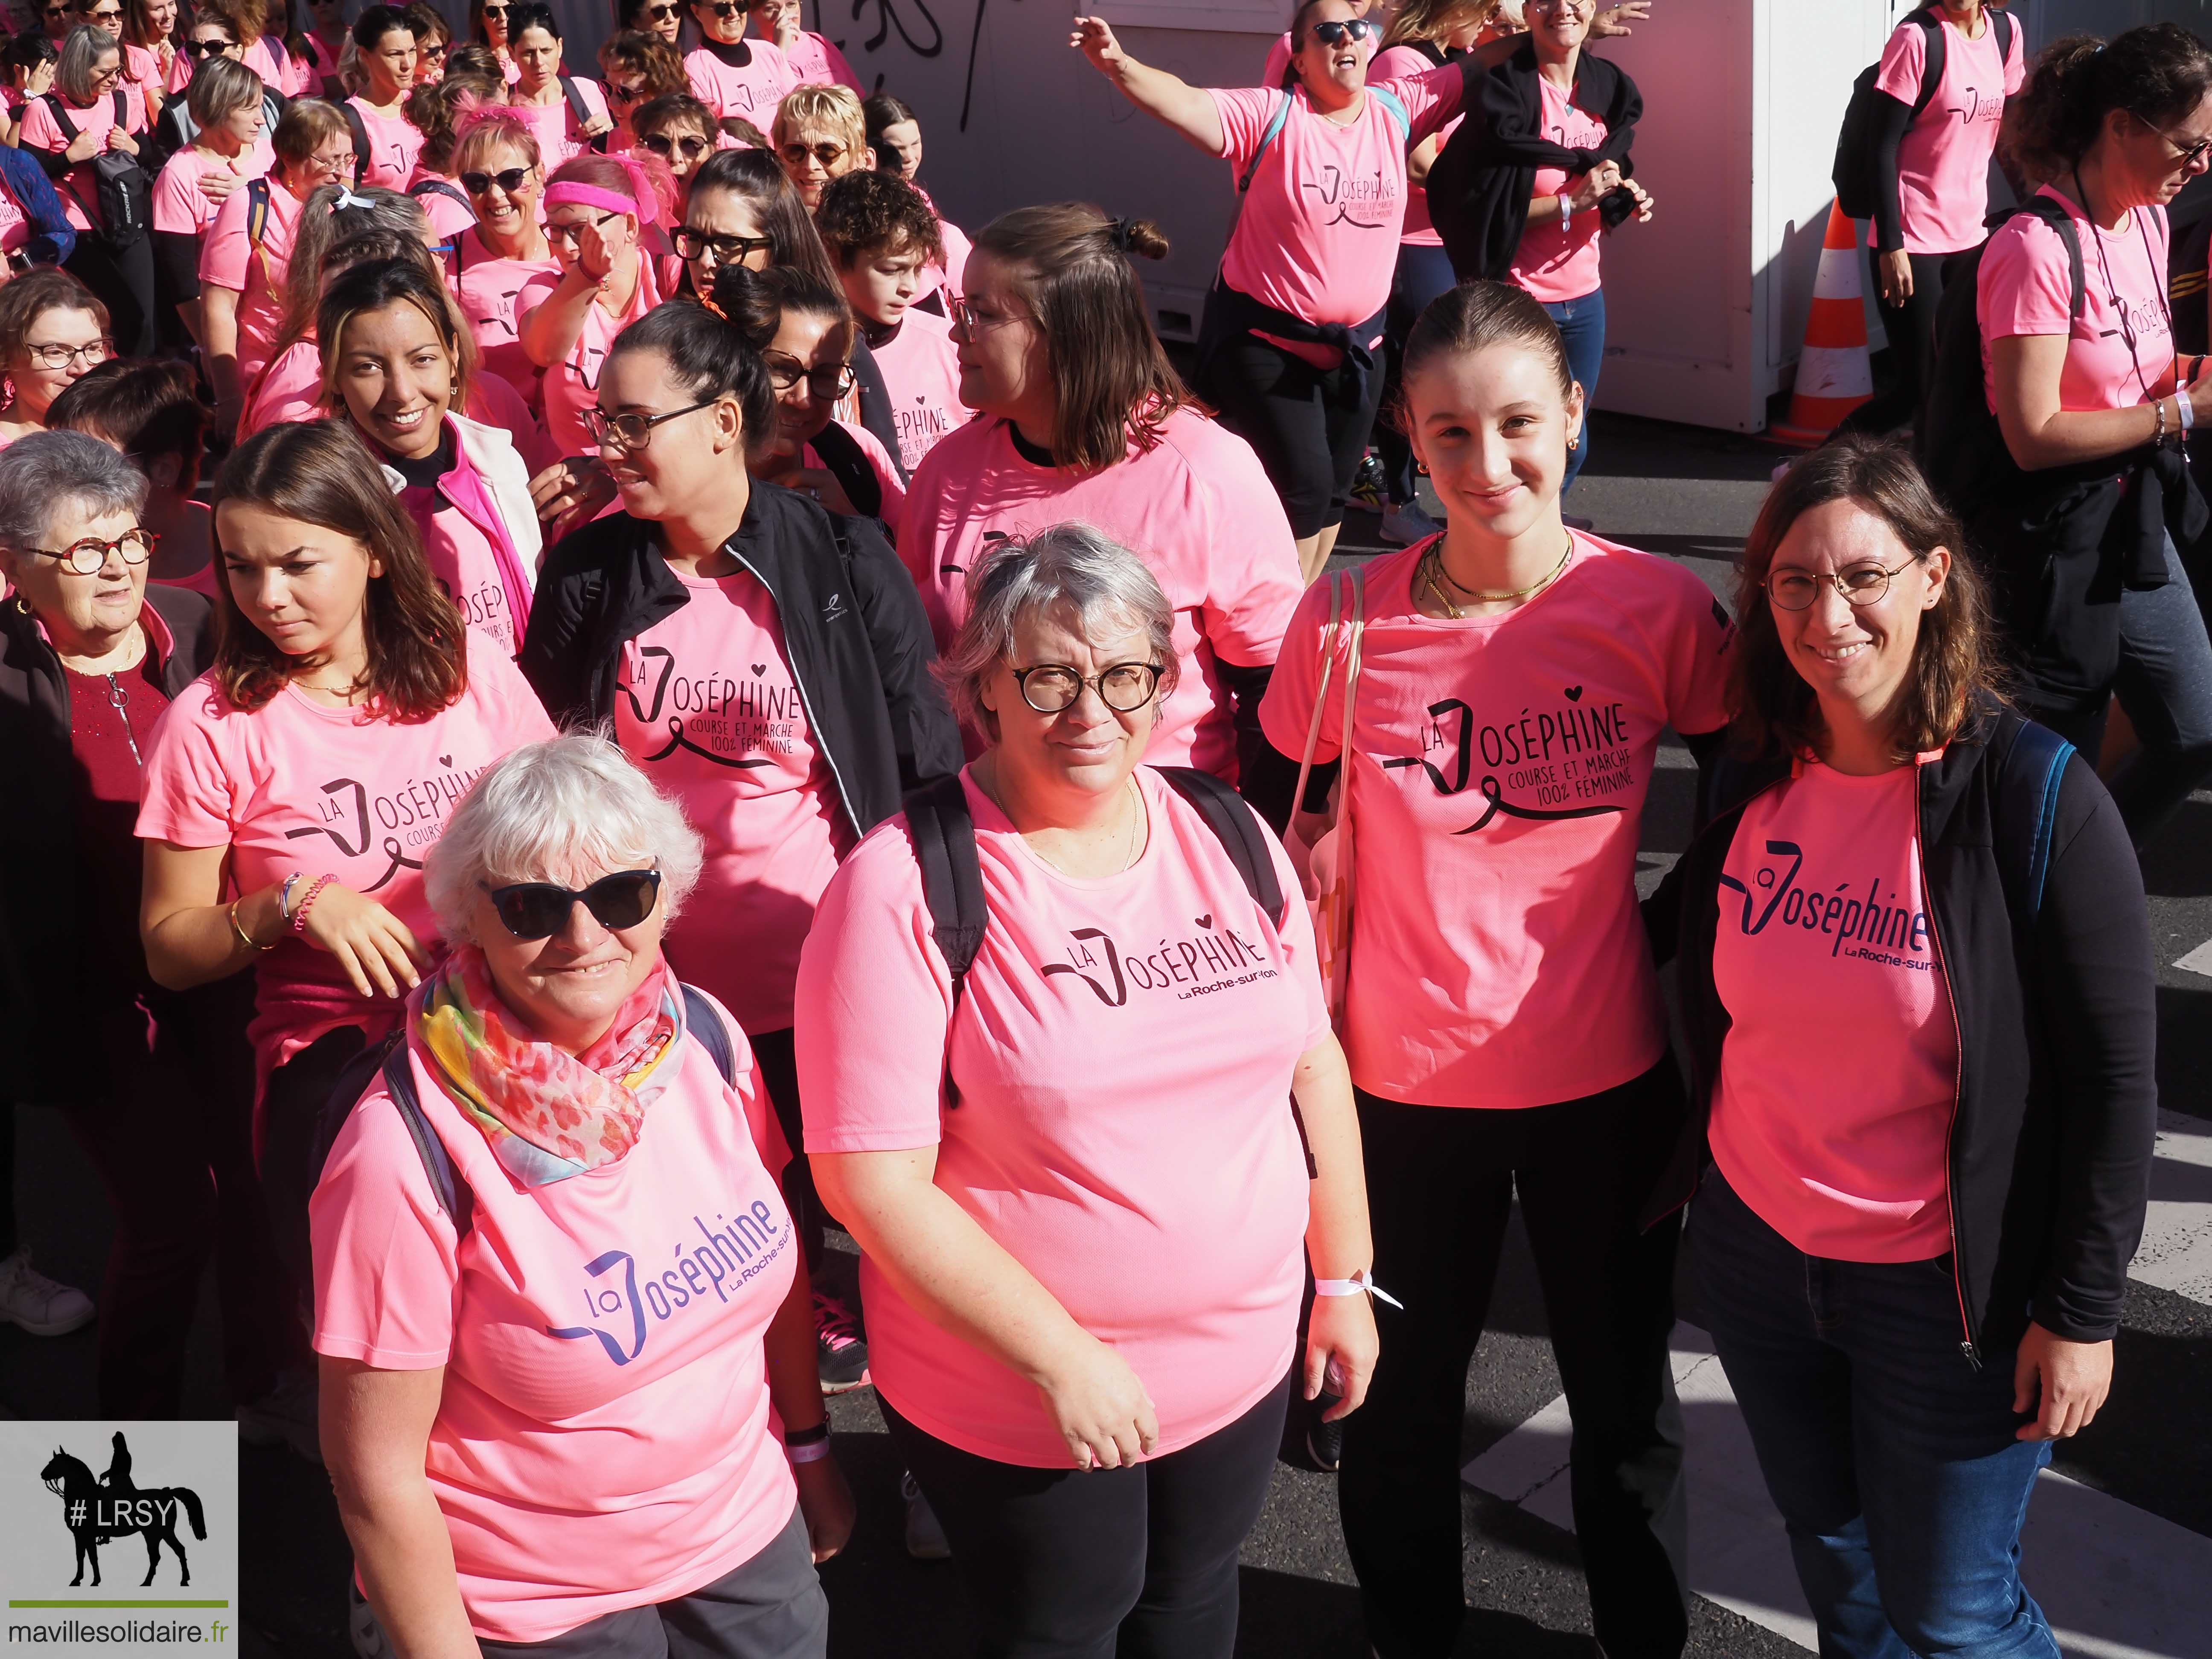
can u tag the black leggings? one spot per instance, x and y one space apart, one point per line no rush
1440 1181
1309 425
1139 1563
1911 331
125 284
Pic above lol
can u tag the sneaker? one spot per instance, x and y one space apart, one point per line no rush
1325 1445
1405 523
840 1351
285 1416
36 1302
1367 485
361 1628
925 1538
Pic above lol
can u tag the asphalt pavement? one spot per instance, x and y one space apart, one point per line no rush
2128 1537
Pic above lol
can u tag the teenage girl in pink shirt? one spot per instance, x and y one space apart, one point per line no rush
1287 350
894 134
1502 1016
1912 1240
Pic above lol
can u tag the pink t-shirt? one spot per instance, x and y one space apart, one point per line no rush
706 704
1943 162
297 785
1504 761
488 289
1826 910
1197 507
1317 235
2025 285
78 189
1123 1050
752 88
142 70
892 509
462 539
950 276
572 385
289 389
449 218
922 372
1551 264
395 143
1396 63
181 207
555 125
229 260
818 61
603 1439
292 79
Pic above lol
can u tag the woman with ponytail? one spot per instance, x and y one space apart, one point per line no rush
599 210
2095 412
762 658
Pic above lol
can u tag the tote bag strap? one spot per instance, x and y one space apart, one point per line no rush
1321 693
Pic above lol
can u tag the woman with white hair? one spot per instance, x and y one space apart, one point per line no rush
508 1476
1075 1172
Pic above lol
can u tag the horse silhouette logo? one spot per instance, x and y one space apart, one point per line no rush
99 1511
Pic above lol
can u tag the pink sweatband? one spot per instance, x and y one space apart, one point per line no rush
592 196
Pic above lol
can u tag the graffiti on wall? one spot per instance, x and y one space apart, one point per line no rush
918 32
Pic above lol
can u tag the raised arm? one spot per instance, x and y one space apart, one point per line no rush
1168 98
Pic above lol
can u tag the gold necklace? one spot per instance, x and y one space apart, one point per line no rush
1435 561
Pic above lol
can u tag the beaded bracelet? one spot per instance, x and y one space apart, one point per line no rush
308 898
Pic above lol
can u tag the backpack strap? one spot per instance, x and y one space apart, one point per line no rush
423 187
2053 213
2000 21
447 1184
704 1023
359 129
1275 124
581 107
61 116
943 830
2027 814
1931 65
846 461
1236 829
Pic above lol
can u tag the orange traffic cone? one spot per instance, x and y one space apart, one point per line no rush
1834 374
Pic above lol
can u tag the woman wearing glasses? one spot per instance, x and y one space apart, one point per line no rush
661 1481
679 132
540 93
1085 1212
734 76
488 25
1913 1264
433 41
53 330
255 24
763 661
496 163
598 211
154 1084
662 19
820 134
2093 406
636 68
742 210
294 791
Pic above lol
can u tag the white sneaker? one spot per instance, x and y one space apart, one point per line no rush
36 1302
1407 524
285 1416
925 1538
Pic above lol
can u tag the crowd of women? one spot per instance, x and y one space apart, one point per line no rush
702 702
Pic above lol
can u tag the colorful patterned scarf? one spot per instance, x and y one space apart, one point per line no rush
547 1114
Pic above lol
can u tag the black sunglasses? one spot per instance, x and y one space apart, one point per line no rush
507 178
206 48
663 146
1335 34
538 910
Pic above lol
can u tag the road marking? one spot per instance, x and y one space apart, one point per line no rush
2198 961
2116 1582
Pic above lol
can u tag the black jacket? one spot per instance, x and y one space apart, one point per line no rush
854 629
41 881
2050 1138
1481 185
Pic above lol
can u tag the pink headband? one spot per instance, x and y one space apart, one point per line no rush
643 200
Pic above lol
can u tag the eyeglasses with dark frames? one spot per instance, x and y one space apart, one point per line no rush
539 909
573 234
722 250
207 48
825 152
89 557
509 180
1336 33
1053 688
52 354
827 384
630 433
666 144
1865 584
2192 154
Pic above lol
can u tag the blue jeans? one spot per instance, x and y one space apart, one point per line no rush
1582 331
1892 1460
1423 273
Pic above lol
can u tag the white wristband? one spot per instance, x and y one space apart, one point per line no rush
1567 211
813 1453
2188 414
1355 1285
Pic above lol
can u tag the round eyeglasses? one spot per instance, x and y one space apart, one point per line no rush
1051 687
632 432
89 557
1859 584
828 382
52 354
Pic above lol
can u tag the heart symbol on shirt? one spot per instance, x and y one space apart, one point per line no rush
921 396
759 669
1205 921
1574 694
445 759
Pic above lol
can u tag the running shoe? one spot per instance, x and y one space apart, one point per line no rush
1406 523
285 1416
1367 493
40 1305
925 1538
840 1349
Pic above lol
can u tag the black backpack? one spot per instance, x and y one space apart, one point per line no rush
127 198
1855 176
1956 438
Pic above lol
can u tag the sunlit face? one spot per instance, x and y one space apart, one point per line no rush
898 150
805 342
60 348
1340 66
331 162
574 227
687 461
506 214
567 988
881 285
1858 656
395 372
812 156
2155 163
1491 426
680 144
430 51
303 585
1005 365
107 70
494 24
82 613
204 35
776 20
720 20
537 55
106 14
663 19
712 213
390 65
1086 747
246 123
161 17
1556 27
